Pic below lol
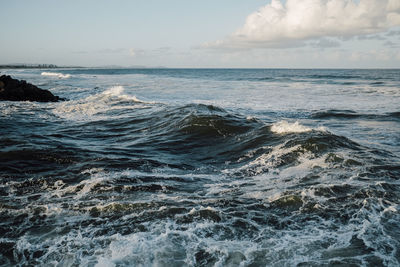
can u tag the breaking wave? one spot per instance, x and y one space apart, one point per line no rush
56 74
284 127
350 114
99 106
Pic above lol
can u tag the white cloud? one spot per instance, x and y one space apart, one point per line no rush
292 23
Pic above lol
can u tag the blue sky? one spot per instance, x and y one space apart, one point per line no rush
188 33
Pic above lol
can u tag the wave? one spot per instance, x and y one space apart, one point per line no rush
258 79
117 92
56 74
211 136
195 135
377 83
394 114
213 187
284 127
332 76
213 125
350 114
100 106
345 114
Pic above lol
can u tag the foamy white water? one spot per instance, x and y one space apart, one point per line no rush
284 127
55 74
97 106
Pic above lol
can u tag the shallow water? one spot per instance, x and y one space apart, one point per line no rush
186 167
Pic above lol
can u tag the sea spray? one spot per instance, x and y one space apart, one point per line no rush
56 74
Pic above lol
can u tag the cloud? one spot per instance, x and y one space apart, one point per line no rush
80 52
111 51
391 44
290 24
324 43
371 37
393 33
164 49
138 52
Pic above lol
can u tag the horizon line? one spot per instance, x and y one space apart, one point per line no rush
54 66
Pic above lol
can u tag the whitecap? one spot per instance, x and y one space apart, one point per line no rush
284 127
56 74
94 106
118 92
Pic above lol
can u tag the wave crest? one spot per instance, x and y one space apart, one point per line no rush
99 106
117 92
56 74
284 127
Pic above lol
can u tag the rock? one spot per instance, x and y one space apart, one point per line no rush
19 90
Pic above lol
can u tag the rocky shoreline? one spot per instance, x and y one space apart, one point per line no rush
19 90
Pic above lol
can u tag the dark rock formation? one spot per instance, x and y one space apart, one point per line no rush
16 90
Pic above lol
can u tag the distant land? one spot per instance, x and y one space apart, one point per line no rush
33 66
53 66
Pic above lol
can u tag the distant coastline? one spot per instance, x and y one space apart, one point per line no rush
53 66
35 66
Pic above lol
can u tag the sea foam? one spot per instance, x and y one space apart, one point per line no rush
96 106
118 92
284 127
56 74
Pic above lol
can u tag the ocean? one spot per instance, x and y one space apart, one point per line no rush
202 167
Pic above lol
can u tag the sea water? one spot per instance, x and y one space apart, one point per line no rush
202 167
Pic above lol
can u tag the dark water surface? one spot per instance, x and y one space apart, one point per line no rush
189 167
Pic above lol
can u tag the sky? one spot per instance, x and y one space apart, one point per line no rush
202 34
